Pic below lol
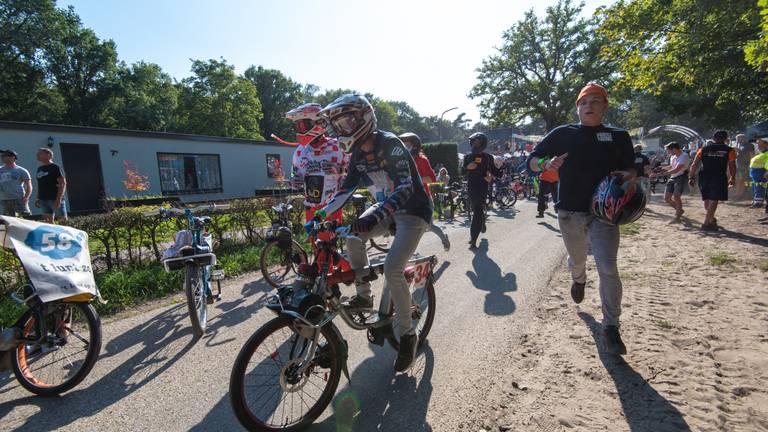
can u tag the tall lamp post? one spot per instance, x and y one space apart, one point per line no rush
440 124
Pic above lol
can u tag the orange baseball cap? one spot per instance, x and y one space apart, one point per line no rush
592 88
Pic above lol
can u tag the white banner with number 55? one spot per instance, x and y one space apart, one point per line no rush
56 258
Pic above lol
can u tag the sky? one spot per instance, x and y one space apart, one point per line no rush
423 52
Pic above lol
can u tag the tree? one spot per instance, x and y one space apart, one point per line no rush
145 98
540 68
278 94
215 101
757 50
689 54
28 29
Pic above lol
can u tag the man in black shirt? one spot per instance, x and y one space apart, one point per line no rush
584 154
51 186
480 170
716 160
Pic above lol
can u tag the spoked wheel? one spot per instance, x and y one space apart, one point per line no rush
60 351
278 265
507 197
196 298
266 388
422 313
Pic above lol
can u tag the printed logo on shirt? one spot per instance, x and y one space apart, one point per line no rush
604 136
402 164
360 167
478 160
397 151
41 174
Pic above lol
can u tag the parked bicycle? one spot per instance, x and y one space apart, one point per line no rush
287 372
193 252
502 193
282 254
57 339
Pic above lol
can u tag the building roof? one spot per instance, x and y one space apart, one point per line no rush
128 132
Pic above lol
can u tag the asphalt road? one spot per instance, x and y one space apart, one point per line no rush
153 375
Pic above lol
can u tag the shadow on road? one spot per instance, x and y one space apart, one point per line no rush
550 227
487 277
644 408
162 340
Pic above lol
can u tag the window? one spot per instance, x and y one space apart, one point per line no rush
189 173
274 169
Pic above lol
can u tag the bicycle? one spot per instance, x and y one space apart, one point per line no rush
193 252
301 353
503 194
56 341
282 254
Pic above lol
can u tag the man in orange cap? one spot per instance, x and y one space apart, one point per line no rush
584 154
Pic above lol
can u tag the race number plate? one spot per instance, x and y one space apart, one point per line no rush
420 275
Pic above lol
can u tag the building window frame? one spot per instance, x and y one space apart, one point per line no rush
216 188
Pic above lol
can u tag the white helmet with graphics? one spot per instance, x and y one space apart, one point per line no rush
352 120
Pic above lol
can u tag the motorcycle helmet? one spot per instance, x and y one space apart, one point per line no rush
481 138
412 141
618 203
352 120
308 124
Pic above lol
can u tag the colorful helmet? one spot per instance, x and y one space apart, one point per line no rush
483 142
352 120
414 140
308 124
616 203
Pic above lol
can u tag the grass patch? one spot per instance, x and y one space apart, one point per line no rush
721 258
666 325
629 229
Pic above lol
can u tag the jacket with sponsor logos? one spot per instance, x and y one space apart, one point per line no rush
390 173
320 169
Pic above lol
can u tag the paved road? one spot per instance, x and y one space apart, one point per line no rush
153 375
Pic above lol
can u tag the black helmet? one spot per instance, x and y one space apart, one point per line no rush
616 203
483 141
410 137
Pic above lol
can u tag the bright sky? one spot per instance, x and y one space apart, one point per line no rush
424 52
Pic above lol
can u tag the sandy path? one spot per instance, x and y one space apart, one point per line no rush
695 322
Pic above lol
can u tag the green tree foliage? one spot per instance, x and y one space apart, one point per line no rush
540 68
145 98
215 101
757 50
446 155
278 94
689 54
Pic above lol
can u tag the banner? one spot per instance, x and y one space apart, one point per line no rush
56 258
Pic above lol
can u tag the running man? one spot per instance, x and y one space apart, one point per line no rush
643 169
718 172
480 169
379 159
677 171
318 162
413 144
584 154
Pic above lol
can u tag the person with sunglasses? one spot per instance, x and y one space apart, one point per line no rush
318 162
380 161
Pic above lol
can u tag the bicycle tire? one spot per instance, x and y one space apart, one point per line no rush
20 357
508 198
381 247
429 288
238 377
287 263
196 301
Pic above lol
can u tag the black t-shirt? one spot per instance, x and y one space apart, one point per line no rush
593 152
641 161
714 161
48 181
476 177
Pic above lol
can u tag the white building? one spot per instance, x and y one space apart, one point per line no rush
191 167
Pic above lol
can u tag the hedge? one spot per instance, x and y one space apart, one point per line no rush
446 154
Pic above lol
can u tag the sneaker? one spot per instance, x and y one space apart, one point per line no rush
472 246
446 242
407 352
612 340
577 292
674 221
708 227
540 215
358 303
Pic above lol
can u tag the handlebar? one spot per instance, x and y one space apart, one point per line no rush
172 211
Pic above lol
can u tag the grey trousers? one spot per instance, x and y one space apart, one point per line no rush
581 230
409 231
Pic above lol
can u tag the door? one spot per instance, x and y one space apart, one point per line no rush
82 169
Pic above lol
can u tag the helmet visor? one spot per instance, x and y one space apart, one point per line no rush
345 124
304 125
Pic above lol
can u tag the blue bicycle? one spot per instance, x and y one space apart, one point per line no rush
192 251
